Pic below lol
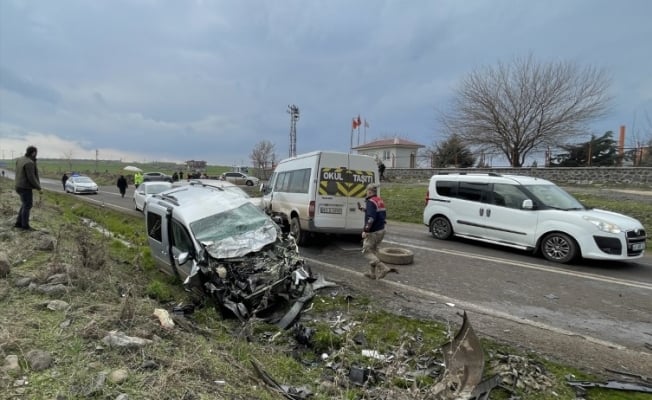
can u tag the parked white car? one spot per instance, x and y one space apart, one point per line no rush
528 213
147 189
240 179
81 184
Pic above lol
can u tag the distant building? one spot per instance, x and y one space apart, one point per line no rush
193 165
394 153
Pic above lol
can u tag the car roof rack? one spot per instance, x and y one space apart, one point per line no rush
467 173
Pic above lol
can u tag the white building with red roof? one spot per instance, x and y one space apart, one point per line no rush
394 153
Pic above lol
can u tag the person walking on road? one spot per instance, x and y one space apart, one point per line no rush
64 179
122 185
26 181
374 232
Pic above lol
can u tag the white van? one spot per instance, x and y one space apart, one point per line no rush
318 192
530 214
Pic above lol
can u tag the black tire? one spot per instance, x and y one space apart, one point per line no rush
441 228
299 234
559 247
249 183
396 255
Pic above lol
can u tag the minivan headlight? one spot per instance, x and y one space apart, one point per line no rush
604 226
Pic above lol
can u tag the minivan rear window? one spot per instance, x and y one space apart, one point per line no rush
446 188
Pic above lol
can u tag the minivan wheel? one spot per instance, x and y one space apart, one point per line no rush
440 228
558 247
299 234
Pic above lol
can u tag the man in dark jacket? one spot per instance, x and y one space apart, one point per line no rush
122 185
26 180
374 232
64 179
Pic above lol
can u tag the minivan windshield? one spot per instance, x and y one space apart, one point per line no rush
235 232
553 196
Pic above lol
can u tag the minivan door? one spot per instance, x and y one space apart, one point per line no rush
157 234
507 221
332 191
469 208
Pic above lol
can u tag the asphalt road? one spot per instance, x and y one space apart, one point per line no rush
594 313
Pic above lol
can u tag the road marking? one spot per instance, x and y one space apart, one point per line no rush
474 307
585 275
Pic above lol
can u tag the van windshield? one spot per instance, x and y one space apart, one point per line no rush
553 196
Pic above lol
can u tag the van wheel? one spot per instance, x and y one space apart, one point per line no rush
299 234
395 255
441 228
559 247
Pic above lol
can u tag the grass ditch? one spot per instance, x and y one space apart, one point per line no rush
112 284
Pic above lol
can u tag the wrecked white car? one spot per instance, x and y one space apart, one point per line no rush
218 242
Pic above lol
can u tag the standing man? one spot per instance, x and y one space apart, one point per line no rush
374 232
64 179
26 180
122 185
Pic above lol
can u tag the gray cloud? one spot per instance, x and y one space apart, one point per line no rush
209 79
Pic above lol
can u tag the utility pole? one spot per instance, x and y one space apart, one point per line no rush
294 117
97 152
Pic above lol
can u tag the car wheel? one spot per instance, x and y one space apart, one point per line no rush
559 247
299 234
395 255
249 183
441 228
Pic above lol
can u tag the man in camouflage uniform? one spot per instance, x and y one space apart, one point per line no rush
374 232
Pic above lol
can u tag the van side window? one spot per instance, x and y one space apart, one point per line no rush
299 181
446 188
507 195
154 226
472 191
281 182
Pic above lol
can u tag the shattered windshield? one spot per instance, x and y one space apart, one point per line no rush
235 232
554 197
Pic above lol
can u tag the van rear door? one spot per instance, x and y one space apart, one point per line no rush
342 184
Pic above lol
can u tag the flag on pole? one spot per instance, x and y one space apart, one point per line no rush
366 123
354 123
359 122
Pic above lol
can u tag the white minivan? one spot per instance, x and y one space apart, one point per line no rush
530 214
319 192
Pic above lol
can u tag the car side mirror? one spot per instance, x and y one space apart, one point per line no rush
183 258
527 204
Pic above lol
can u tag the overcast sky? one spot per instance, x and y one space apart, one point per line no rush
174 80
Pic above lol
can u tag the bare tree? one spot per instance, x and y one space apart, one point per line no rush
263 155
67 155
525 106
